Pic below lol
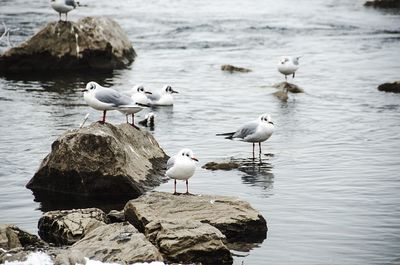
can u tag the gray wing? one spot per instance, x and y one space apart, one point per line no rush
170 162
70 3
111 96
154 96
246 130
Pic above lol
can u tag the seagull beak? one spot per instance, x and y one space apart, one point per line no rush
173 91
271 122
84 90
195 159
148 92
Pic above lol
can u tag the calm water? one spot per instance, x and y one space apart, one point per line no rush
330 191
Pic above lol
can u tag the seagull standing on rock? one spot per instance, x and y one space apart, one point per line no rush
102 98
182 167
164 98
288 65
256 131
63 6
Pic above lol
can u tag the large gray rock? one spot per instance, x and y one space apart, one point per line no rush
235 218
91 43
383 3
66 227
118 242
390 87
13 237
188 241
103 161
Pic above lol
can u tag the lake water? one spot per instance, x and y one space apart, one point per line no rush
329 187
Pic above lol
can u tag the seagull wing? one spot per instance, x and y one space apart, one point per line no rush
111 96
70 3
246 130
170 162
153 97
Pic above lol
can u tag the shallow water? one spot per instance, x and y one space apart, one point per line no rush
330 189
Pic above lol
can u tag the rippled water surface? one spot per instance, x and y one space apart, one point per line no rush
329 186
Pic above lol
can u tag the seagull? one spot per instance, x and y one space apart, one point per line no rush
256 131
182 167
63 6
288 65
148 120
139 94
164 98
102 98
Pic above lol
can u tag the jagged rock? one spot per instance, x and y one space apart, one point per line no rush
231 69
91 43
285 86
118 242
390 87
116 216
188 241
66 227
383 3
69 257
235 218
221 166
13 237
102 161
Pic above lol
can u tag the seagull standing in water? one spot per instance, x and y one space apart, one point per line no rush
63 6
139 94
102 98
182 167
288 65
256 131
164 98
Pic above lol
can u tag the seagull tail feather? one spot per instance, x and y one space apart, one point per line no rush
228 135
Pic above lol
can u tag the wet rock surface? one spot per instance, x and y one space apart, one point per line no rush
66 227
390 87
383 3
221 166
188 241
12 236
120 242
285 86
96 43
235 218
102 161
232 69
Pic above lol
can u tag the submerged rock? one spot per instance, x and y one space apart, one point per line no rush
102 161
221 166
66 227
285 86
231 69
281 95
91 43
188 241
12 237
383 3
235 218
119 242
390 87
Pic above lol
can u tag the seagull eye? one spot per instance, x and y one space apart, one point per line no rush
187 155
92 86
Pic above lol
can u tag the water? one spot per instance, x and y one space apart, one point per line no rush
330 189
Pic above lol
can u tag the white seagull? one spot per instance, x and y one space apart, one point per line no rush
256 131
288 65
164 98
139 94
102 98
63 6
182 167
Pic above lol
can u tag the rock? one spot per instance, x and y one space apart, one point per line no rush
115 216
91 43
66 227
118 242
221 166
235 218
70 257
383 3
188 241
13 237
283 96
289 87
231 69
390 87
102 161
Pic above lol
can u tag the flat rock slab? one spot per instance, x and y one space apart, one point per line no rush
66 227
102 161
119 242
97 43
188 241
390 87
232 69
235 218
221 166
